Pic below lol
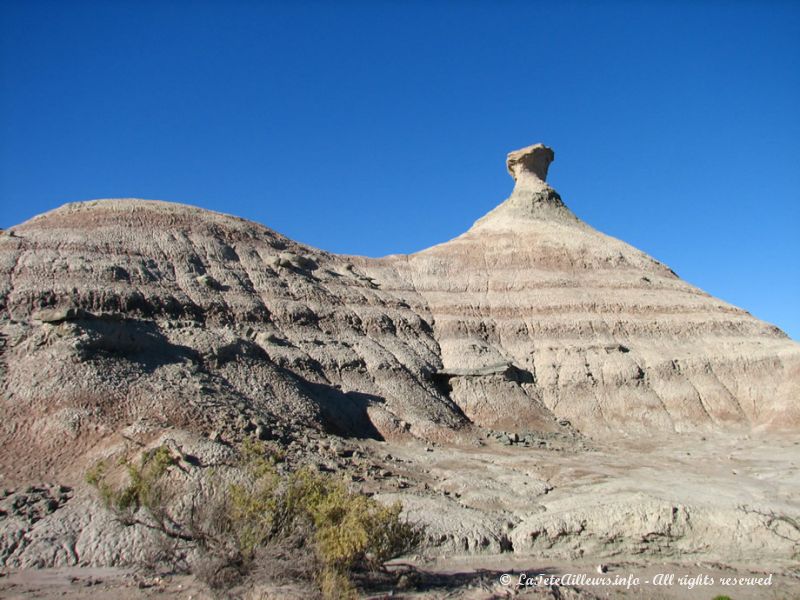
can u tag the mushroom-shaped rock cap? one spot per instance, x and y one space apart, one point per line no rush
531 160
532 200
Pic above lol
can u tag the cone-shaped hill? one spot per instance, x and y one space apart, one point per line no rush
539 315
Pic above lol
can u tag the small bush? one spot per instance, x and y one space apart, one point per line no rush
351 530
141 489
336 585
266 516
347 530
96 477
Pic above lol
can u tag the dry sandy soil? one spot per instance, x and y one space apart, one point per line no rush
607 484
469 578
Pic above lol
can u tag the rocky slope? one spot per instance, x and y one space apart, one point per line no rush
129 323
537 314
124 311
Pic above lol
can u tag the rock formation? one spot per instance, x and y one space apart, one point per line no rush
539 315
125 319
118 310
124 311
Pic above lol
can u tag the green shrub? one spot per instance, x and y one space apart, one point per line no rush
253 511
336 585
96 477
300 511
348 531
351 530
141 489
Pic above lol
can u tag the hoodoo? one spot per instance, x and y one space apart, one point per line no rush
531 198
598 333
529 165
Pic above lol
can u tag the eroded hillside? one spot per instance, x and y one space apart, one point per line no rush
486 382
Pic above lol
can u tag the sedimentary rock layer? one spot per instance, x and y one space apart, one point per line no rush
120 313
586 327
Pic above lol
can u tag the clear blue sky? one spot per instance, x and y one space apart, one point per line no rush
381 127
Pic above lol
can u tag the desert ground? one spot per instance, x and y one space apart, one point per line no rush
626 491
